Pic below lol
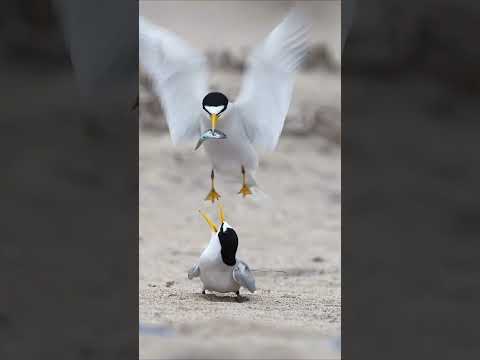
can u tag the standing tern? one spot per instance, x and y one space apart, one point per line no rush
218 268
231 132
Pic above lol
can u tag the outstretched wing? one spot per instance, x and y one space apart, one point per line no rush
180 78
193 272
243 276
268 83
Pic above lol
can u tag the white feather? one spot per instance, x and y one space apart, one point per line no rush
180 78
268 83
214 109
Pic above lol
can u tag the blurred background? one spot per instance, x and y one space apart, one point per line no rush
410 155
70 188
292 239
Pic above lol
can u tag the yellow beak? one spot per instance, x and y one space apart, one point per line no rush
221 213
209 221
214 119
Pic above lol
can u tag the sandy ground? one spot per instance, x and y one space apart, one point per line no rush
292 239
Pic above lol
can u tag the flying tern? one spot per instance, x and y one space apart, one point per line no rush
231 132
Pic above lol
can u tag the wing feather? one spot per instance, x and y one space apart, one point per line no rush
268 83
194 272
180 78
243 276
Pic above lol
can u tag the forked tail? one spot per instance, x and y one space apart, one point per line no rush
258 195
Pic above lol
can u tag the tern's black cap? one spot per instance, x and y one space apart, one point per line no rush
229 243
215 99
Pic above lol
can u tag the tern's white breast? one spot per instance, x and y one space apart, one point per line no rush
228 155
215 275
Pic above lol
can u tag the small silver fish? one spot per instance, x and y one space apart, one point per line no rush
210 134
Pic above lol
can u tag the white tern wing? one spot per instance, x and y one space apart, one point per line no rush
179 75
267 86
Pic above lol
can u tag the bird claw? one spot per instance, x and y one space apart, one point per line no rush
212 196
245 190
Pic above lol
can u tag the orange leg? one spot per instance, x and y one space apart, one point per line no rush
245 190
212 195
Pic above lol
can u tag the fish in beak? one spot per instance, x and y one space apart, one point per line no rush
210 134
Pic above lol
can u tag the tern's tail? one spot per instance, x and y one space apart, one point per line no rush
258 195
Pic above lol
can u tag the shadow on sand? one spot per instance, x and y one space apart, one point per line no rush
223 298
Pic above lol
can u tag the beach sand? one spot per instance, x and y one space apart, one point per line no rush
292 239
